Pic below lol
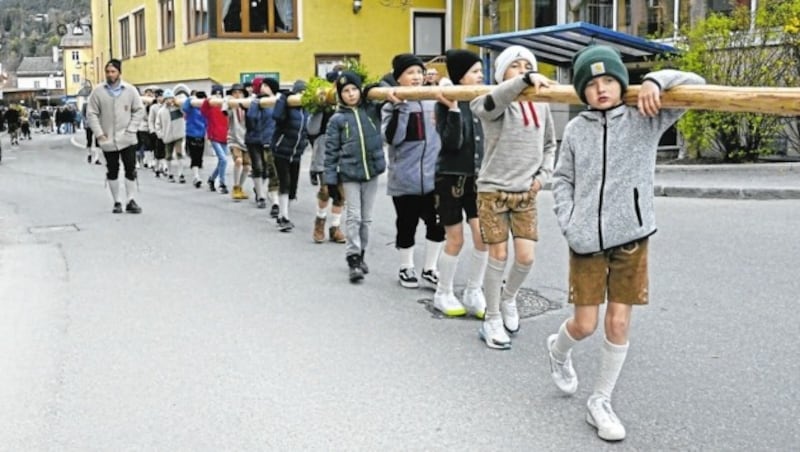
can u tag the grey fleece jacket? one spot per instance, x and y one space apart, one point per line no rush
116 117
603 181
520 139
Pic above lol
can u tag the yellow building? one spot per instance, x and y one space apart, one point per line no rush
80 69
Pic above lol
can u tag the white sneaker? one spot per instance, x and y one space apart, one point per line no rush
563 373
474 301
508 310
602 417
494 335
448 304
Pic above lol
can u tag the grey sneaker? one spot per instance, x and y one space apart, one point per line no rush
601 416
493 333
430 278
563 373
408 278
508 310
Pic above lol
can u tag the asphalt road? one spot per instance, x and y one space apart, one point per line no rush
198 326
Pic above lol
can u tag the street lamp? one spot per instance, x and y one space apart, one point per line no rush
84 65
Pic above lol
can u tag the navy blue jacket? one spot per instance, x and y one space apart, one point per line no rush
260 124
291 138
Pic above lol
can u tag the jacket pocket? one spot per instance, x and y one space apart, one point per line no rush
636 206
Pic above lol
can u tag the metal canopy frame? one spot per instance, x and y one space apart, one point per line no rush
557 44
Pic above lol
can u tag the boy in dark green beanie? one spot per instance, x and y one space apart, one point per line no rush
603 192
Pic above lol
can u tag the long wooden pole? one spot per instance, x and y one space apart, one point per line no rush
772 101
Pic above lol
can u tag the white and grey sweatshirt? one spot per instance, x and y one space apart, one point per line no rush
520 139
603 181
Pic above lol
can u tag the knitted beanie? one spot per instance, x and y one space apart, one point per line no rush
459 63
404 61
347 78
273 84
257 85
510 55
594 61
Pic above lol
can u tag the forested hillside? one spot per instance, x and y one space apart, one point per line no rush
30 27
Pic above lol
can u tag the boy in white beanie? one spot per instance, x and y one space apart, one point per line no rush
518 159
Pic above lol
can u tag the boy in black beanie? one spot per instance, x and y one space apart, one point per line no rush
603 191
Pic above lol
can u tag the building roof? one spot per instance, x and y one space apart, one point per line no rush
557 44
33 66
71 39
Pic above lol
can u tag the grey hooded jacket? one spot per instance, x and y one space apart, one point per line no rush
603 181
414 145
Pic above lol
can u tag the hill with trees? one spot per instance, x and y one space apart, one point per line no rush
30 27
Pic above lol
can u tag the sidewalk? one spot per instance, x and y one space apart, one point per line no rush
762 181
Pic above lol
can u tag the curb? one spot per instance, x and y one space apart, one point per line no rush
727 193
788 167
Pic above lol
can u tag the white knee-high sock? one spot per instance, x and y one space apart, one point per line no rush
612 358
515 279
476 268
237 175
113 187
243 175
564 343
273 196
491 286
130 189
196 172
180 166
259 184
447 272
432 252
336 219
406 257
283 200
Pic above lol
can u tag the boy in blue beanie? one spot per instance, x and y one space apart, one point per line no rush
603 191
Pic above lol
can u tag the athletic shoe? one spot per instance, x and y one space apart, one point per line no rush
494 335
182 179
117 207
408 278
474 301
261 203
430 278
223 189
563 373
508 310
198 183
601 416
211 186
285 225
88 158
274 211
132 207
448 304
356 273
364 267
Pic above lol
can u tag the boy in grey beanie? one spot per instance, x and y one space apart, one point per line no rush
603 191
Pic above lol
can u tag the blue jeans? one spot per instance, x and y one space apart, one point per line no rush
221 150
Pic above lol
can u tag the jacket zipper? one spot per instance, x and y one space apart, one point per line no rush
420 125
636 206
361 142
602 182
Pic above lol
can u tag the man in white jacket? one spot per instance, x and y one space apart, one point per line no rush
114 113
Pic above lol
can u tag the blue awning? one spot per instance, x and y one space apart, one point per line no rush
558 43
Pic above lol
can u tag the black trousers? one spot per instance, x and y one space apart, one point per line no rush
409 210
288 173
128 157
196 147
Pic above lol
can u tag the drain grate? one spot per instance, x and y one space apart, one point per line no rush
53 228
530 303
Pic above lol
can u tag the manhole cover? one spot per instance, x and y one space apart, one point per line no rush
530 303
53 228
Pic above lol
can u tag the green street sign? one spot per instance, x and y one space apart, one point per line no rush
245 77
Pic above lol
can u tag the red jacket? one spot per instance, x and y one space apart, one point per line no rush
217 122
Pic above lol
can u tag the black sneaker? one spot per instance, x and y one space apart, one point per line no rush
172 178
211 186
356 273
274 211
223 189
261 203
408 278
198 183
285 225
182 179
89 158
364 267
132 207
117 207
